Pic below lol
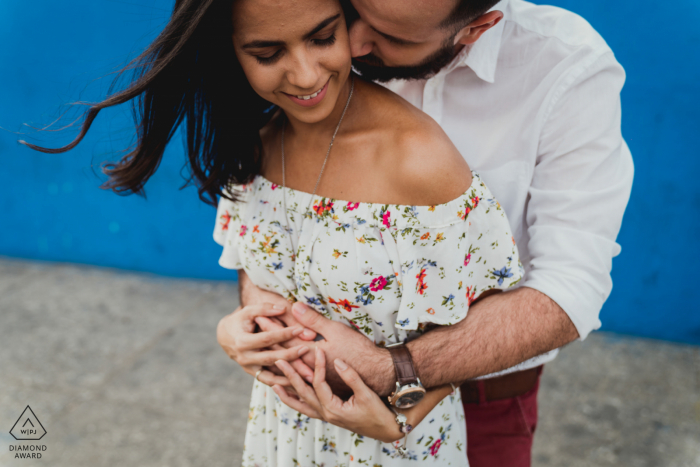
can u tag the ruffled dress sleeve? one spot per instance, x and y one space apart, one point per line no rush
450 254
229 227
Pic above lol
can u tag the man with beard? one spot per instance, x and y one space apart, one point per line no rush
530 95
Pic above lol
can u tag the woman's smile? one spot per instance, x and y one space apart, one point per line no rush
309 100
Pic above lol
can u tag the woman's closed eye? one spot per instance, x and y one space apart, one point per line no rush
318 41
326 41
270 59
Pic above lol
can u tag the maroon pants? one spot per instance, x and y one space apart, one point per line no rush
500 432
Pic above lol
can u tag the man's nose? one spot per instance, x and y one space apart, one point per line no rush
360 38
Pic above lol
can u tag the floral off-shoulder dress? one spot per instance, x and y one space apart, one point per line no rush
387 270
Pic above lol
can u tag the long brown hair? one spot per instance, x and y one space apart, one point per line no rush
189 72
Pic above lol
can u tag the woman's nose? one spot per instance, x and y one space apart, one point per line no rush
304 73
360 38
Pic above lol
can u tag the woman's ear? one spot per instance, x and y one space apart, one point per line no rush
473 31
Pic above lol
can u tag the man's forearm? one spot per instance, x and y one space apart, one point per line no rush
499 331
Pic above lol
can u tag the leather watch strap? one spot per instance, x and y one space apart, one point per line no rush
403 365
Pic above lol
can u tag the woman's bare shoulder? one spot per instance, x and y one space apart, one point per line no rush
426 167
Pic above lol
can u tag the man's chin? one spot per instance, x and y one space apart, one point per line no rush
384 74
381 73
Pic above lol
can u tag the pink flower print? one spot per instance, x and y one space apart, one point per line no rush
467 258
244 229
225 219
377 284
352 206
274 186
435 447
386 219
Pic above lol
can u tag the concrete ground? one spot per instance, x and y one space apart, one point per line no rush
123 369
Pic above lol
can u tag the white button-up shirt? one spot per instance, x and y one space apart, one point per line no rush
534 108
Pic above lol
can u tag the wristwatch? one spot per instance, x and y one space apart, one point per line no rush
409 390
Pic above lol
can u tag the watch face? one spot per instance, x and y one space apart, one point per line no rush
409 398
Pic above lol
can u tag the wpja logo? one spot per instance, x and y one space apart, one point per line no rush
28 428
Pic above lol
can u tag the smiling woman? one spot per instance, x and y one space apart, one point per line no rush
302 68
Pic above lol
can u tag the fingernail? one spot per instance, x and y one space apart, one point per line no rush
308 333
299 308
310 379
341 365
302 351
279 307
298 331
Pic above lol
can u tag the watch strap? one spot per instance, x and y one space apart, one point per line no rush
403 364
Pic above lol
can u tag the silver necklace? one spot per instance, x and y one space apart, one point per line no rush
284 180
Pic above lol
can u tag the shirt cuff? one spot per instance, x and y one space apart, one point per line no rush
581 302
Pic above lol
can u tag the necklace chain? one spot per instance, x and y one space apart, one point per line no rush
284 180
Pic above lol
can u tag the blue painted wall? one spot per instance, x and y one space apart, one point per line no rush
51 209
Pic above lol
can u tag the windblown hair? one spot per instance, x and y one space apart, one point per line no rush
465 12
189 72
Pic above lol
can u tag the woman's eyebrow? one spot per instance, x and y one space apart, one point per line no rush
263 44
322 25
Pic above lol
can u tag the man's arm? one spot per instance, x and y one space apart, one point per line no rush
499 331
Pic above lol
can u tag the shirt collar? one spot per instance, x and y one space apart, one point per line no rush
482 58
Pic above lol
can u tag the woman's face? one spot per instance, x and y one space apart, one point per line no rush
295 53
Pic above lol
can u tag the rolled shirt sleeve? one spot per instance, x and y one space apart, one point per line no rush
580 188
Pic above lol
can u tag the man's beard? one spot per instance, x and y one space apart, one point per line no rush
372 67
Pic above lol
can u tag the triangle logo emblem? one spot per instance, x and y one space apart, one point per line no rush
28 427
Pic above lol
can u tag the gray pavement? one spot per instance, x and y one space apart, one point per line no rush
123 369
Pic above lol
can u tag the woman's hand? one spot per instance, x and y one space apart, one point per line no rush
364 413
255 350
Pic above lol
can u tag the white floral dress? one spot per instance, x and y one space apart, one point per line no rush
387 270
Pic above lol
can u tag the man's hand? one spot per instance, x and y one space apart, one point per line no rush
372 363
253 351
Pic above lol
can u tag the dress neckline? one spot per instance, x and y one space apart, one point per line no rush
476 181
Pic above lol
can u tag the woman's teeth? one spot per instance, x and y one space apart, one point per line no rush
310 96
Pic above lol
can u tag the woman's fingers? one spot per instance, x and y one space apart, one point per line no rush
261 340
270 379
298 365
296 404
269 357
304 391
323 390
250 312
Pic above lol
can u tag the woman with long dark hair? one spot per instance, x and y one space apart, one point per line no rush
332 191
